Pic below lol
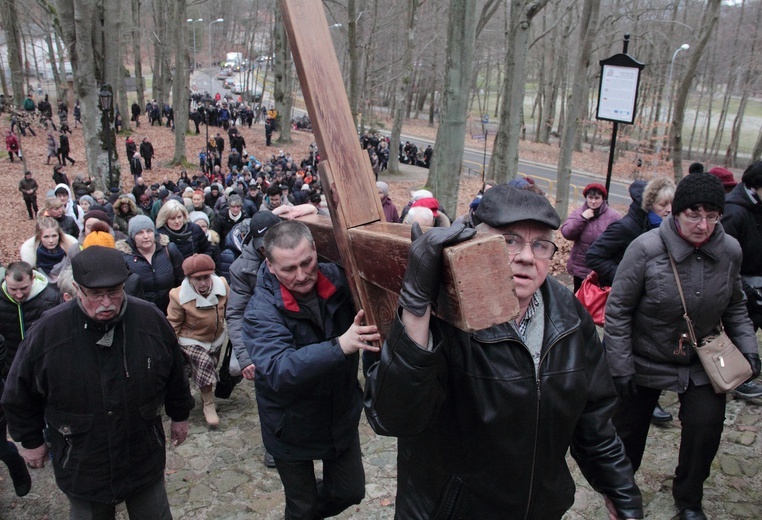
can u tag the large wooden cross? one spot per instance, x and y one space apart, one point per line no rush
478 288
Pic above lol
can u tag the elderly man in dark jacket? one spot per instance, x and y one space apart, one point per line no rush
95 373
485 420
303 336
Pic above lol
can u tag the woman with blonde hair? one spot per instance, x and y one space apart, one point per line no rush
46 250
651 203
173 222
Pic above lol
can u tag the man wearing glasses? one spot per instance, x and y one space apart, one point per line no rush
96 372
485 419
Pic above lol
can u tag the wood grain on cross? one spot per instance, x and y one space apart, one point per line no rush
477 280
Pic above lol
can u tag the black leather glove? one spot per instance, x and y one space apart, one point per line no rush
625 387
420 286
755 363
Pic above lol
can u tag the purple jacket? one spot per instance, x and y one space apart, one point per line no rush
583 233
390 210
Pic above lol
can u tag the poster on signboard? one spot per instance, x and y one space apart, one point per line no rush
618 93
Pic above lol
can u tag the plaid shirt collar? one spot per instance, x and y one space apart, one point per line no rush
534 303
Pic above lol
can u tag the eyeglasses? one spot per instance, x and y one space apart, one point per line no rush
543 249
695 218
111 295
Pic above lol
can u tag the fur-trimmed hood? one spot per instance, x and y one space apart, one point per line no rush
28 250
122 199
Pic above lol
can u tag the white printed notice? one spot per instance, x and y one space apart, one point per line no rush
619 88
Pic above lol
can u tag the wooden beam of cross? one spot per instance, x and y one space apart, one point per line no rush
478 288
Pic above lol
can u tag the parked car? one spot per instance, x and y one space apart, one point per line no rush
255 96
223 74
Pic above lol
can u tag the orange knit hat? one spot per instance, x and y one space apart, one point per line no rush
98 238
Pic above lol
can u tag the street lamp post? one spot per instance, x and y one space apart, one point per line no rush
106 97
218 20
193 23
667 89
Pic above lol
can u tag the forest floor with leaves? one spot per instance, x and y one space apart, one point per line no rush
17 228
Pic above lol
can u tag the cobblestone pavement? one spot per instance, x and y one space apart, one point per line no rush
219 474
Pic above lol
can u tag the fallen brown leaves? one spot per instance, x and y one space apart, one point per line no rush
16 228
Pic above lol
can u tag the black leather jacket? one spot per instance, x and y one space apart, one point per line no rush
482 435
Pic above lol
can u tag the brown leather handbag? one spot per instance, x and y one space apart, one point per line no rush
723 362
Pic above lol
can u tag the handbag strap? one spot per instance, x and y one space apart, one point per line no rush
688 322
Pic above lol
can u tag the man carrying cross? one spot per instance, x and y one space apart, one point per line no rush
485 419
303 336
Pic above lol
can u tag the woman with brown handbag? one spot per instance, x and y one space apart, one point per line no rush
646 334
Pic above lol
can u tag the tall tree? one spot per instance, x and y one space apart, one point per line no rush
748 84
404 85
444 172
13 38
181 80
83 36
708 23
577 107
505 150
283 84
137 51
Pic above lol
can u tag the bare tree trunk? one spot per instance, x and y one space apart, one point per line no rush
729 89
13 39
505 151
587 31
181 79
404 85
355 10
282 86
162 50
731 155
444 172
711 14
137 53
3 82
757 152
82 29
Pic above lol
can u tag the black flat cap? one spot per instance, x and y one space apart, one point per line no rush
97 267
504 205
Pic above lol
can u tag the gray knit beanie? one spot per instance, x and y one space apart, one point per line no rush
195 216
138 223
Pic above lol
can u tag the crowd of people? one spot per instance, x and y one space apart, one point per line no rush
144 291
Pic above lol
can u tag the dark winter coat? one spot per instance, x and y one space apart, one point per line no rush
190 239
243 282
63 147
101 406
161 275
16 319
146 150
68 225
607 251
644 313
482 435
308 396
742 220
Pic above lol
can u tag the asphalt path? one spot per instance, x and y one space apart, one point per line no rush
473 158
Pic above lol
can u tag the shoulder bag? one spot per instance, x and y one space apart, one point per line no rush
722 361
227 381
593 297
